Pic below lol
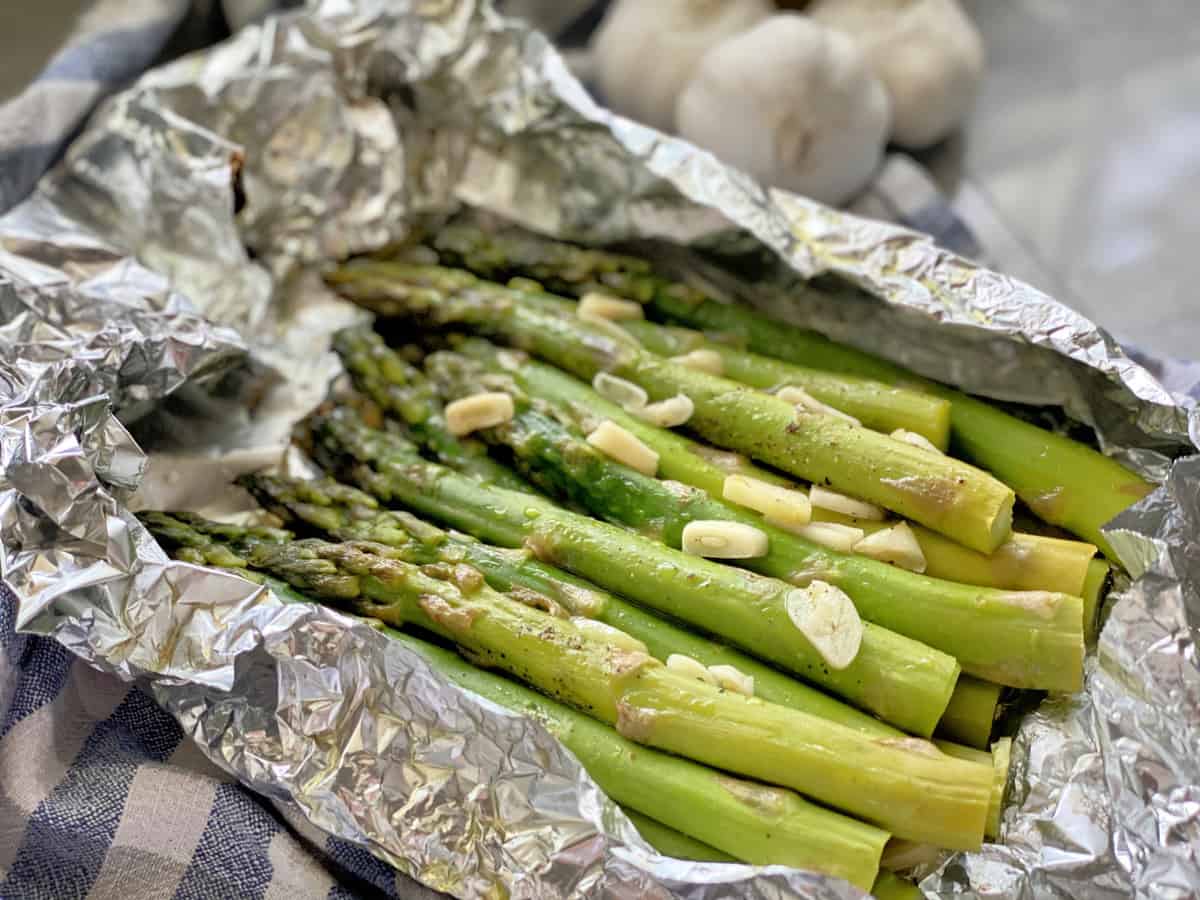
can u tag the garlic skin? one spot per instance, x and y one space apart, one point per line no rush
644 52
928 54
792 103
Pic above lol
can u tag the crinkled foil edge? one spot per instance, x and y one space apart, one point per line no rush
167 257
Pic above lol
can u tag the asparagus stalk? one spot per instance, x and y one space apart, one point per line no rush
401 389
348 514
941 493
907 783
905 683
1000 758
1065 482
1025 562
971 714
1021 639
879 406
669 842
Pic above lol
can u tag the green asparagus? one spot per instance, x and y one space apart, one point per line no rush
346 513
903 682
1065 482
399 388
907 787
972 711
669 842
1025 562
876 405
349 514
1032 640
941 493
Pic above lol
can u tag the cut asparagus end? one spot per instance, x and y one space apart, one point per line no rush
778 504
896 545
669 413
479 411
720 539
617 443
1001 762
823 498
1094 585
827 617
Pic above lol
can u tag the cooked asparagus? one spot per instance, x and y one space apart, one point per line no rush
669 842
902 681
882 407
1025 562
941 493
1065 482
907 787
971 713
402 390
345 513
1021 639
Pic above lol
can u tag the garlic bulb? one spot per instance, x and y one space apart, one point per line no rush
644 52
793 104
928 54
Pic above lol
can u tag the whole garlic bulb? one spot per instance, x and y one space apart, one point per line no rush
645 50
928 54
792 103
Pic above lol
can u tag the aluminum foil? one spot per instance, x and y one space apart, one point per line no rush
159 282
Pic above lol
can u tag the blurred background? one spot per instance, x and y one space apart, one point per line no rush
1076 167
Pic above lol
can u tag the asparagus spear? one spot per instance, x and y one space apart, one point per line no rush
669 842
971 713
1065 482
345 513
1025 562
350 514
1025 640
908 787
879 406
399 388
941 493
905 683
890 886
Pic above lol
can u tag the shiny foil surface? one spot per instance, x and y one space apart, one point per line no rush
159 285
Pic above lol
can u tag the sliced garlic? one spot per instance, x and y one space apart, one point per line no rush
917 440
823 498
608 308
719 539
778 504
799 397
733 679
625 394
478 411
692 668
897 545
669 413
827 617
831 535
702 360
617 443
607 634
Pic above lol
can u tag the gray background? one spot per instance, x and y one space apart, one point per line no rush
1084 144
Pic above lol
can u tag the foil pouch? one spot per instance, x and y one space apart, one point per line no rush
157 293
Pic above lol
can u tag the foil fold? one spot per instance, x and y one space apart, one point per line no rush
157 292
